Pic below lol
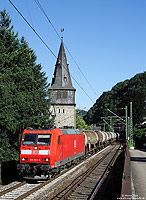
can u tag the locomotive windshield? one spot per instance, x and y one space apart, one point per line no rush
29 139
44 139
36 139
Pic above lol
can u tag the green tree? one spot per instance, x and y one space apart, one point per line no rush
140 136
80 123
24 98
81 112
138 101
120 96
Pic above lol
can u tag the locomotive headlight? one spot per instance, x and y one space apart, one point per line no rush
46 159
24 159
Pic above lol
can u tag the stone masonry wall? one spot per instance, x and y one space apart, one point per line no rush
65 115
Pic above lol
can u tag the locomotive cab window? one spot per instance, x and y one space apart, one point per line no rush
44 139
29 139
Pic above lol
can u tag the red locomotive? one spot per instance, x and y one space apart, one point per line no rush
46 152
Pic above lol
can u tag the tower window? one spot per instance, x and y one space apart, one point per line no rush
63 110
65 78
61 94
64 94
59 111
58 95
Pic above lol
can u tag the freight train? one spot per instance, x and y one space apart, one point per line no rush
47 152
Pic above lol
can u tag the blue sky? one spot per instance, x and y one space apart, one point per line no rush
107 39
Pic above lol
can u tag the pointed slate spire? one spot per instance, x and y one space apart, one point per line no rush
62 93
61 78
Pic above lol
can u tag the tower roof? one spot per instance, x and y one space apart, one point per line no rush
61 78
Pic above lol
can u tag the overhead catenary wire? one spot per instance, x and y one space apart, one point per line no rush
43 11
47 47
32 29
41 8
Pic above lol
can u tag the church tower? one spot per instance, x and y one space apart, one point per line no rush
62 93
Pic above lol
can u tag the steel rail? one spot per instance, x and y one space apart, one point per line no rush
27 193
45 183
81 178
48 181
105 174
12 188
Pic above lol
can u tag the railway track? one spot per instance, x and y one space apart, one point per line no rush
15 192
87 185
22 190
45 190
10 187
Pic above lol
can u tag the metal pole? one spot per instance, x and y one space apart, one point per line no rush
126 115
104 127
111 124
131 126
128 128
108 124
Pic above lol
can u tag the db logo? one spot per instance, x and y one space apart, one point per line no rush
35 152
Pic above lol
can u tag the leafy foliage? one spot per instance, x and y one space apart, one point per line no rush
120 96
24 98
140 136
80 123
81 112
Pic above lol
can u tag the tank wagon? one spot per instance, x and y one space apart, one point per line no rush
46 152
